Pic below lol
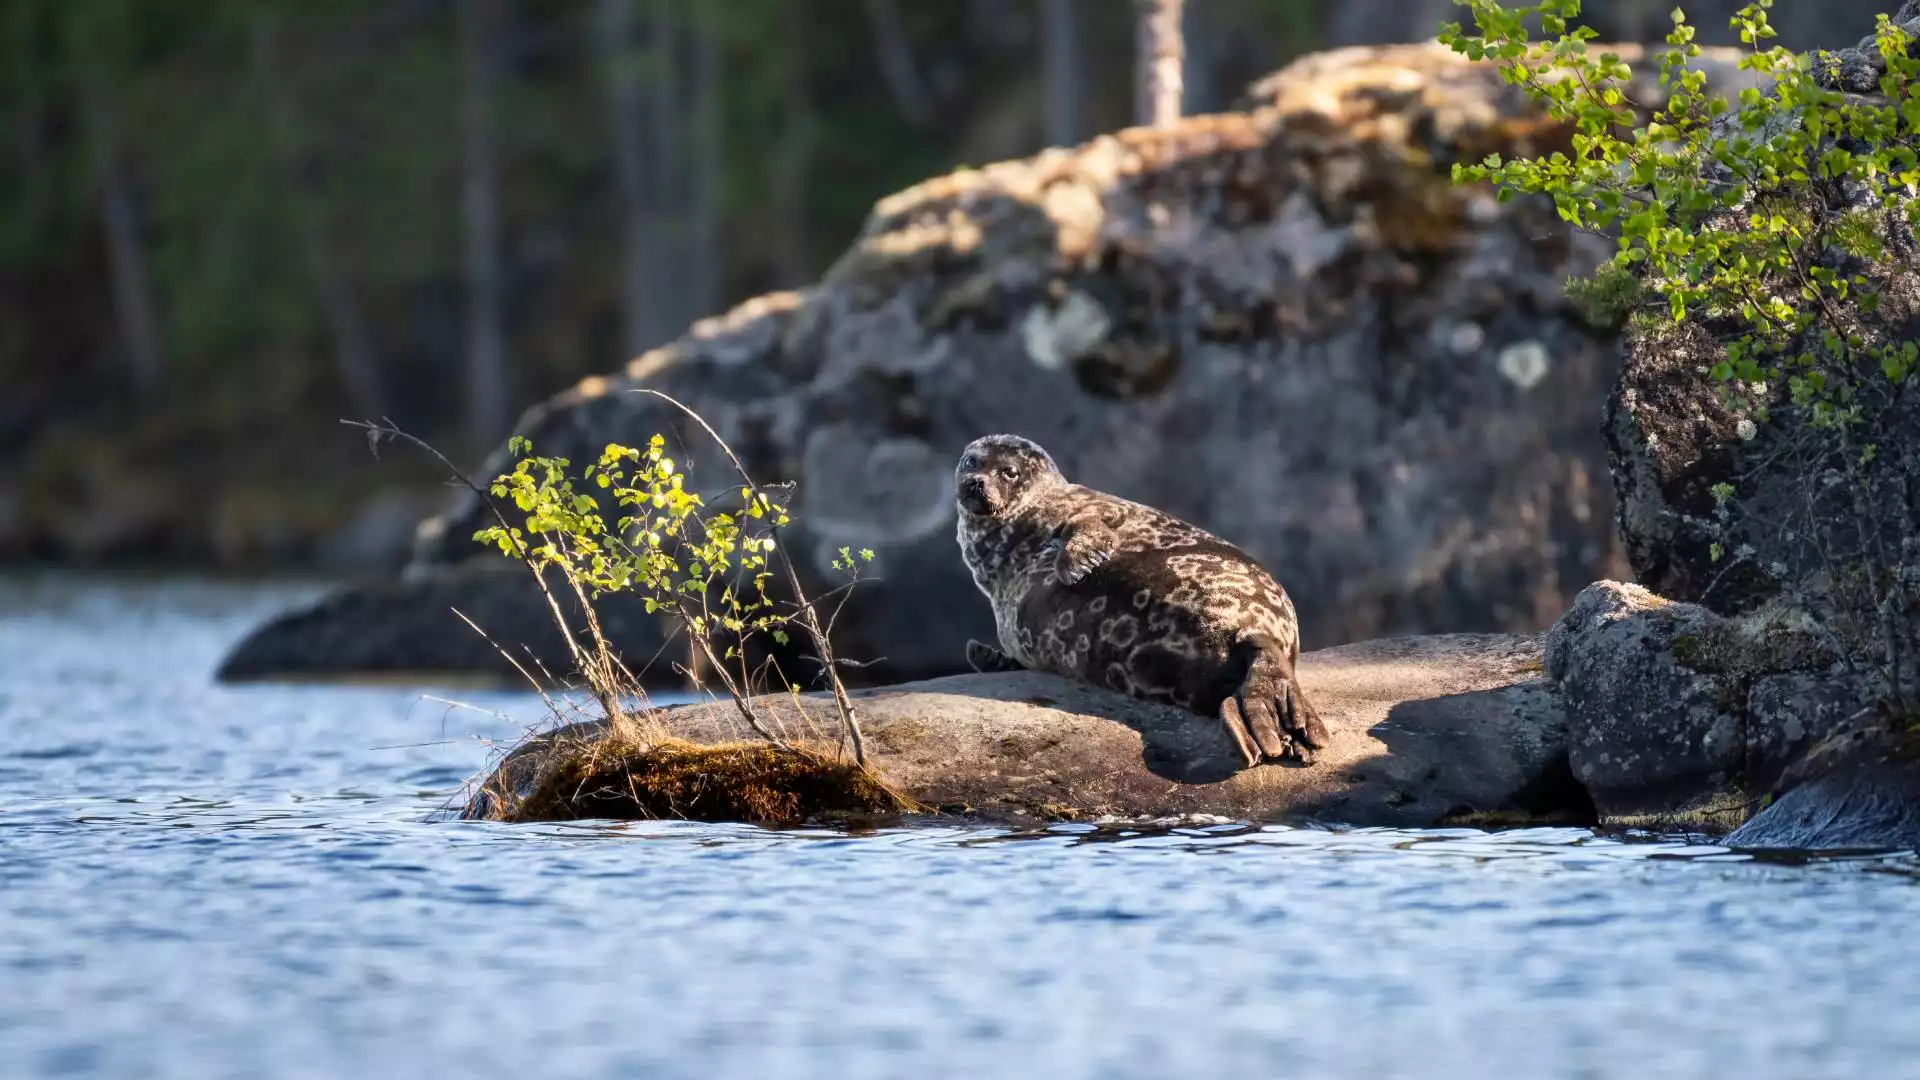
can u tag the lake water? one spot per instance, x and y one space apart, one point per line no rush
202 882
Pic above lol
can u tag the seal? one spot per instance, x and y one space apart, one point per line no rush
1117 594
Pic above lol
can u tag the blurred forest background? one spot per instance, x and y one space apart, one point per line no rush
227 224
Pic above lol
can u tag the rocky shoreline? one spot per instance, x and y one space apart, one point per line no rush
1429 730
1597 723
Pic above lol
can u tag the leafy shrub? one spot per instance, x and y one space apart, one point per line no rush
1778 227
706 569
1707 198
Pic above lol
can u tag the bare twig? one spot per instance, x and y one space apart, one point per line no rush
387 429
809 617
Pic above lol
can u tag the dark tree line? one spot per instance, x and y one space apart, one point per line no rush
226 224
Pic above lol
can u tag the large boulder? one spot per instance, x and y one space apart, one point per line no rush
1286 324
1810 508
1456 728
1788 543
1679 716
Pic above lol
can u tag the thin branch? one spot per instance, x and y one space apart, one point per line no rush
810 619
387 429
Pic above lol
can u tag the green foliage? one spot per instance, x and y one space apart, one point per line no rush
1608 296
709 568
1714 203
664 548
1762 223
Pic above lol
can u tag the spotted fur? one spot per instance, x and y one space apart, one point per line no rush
1110 592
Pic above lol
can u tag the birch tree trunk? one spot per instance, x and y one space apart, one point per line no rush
668 173
357 365
1060 70
1160 56
639 314
708 178
793 153
133 307
487 399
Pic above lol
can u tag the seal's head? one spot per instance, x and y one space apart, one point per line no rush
1000 475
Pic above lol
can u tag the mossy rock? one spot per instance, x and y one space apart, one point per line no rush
673 779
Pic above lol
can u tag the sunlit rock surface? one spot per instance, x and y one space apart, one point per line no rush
1425 730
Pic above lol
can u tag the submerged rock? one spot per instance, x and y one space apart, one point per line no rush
1287 325
1426 730
1873 807
1857 789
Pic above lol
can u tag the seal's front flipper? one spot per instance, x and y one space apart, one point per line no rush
986 659
1275 713
1086 543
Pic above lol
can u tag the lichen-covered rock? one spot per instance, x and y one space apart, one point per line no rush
1648 736
1673 438
1789 714
1425 731
1677 714
1287 325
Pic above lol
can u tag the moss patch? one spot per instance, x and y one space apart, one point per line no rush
1769 641
747 782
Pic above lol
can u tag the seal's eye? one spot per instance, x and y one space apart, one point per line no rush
1011 472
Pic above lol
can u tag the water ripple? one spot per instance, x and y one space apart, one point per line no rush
198 881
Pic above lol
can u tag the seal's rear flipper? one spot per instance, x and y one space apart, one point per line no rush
986 659
1272 712
1236 725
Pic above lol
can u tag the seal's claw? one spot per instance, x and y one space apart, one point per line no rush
1263 722
1085 544
1073 566
1236 725
986 659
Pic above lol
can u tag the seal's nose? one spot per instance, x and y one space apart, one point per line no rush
973 492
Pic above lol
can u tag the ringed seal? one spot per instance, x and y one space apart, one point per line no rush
1110 592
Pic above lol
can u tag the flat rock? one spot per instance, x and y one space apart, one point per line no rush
1425 730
